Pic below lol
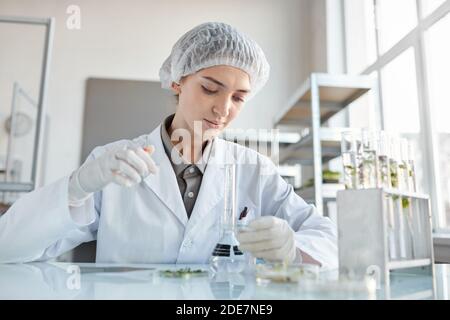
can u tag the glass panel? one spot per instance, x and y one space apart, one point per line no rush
394 20
21 57
428 6
401 106
360 35
438 66
362 113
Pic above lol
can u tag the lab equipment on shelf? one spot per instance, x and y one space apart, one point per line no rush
369 161
373 159
349 161
308 112
383 229
384 177
382 160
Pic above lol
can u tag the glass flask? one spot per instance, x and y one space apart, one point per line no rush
227 257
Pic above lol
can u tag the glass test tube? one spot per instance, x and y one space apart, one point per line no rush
369 159
348 151
228 218
393 161
403 179
411 168
384 176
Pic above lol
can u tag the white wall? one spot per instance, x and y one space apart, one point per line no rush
327 42
131 39
319 35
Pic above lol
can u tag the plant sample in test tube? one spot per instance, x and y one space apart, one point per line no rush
349 151
411 168
393 161
403 166
384 176
369 159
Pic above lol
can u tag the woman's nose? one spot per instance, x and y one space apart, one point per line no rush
223 107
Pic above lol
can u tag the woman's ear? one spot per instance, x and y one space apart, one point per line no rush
176 88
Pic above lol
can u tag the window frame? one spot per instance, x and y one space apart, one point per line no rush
416 39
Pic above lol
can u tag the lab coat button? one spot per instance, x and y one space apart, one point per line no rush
190 194
191 170
187 243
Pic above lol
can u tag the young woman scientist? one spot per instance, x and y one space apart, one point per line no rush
162 204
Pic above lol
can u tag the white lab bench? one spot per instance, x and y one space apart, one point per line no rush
52 280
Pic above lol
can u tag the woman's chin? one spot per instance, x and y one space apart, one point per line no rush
211 132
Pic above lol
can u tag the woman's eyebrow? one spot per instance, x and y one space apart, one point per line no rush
222 85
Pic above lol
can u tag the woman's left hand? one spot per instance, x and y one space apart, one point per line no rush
270 238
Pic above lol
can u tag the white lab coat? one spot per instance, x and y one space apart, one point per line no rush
148 223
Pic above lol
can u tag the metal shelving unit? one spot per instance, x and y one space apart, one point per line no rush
329 191
301 151
271 141
319 98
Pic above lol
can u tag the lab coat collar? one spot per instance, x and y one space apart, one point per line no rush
164 183
180 164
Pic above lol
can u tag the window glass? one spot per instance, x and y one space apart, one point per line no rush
395 18
438 66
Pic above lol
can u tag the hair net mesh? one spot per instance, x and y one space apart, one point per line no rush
211 44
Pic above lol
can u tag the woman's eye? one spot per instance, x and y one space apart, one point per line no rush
238 99
208 91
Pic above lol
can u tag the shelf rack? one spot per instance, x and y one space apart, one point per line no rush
319 98
376 232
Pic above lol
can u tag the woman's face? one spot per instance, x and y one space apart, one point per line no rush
212 96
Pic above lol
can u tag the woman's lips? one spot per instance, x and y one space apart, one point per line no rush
212 124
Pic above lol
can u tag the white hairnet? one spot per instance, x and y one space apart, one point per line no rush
211 44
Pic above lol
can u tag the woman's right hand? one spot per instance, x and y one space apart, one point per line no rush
126 167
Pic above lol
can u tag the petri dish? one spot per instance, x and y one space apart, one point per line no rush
278 272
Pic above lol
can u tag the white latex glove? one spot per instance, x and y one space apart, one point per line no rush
270 238
126 167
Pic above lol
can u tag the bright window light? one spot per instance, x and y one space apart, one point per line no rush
395 18
438 66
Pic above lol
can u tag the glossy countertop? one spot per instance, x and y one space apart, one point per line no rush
56 280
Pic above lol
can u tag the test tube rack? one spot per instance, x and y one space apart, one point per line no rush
379 231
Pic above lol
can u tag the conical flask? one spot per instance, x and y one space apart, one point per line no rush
226 256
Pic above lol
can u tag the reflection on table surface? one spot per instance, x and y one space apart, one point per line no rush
52 280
